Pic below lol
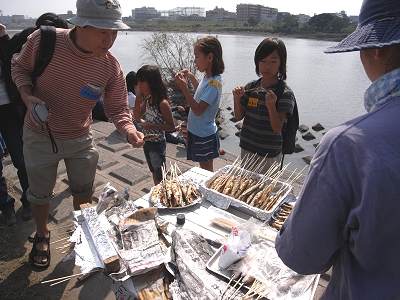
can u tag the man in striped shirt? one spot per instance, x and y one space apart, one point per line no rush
81 71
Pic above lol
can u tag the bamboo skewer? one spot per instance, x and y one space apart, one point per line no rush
58 228
227 288
256 288
240 181
234 286
59 240
68 277
60 281
67 232
236 291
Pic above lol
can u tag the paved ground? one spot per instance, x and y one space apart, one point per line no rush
119 164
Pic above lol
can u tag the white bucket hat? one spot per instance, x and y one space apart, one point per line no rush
103 14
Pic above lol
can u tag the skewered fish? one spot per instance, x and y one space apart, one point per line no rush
150 136
174 192
257 90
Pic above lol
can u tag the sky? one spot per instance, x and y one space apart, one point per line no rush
309 7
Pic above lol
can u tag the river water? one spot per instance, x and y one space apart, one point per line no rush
329 88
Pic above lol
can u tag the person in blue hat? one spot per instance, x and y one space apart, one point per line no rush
346 217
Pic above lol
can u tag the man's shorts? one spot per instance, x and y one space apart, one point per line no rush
155 157
80 157
202 149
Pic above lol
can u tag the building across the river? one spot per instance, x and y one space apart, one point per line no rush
262 13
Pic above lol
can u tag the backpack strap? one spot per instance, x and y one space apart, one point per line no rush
254 84
46 50
280 88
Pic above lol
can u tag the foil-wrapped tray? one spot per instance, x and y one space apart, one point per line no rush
223 201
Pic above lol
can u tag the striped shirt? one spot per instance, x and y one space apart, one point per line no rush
71 84
257 135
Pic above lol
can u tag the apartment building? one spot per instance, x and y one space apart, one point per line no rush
219 14
260 12
145 13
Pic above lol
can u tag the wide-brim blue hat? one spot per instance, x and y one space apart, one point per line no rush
103 14
378 26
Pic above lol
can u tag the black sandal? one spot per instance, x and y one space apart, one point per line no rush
35 253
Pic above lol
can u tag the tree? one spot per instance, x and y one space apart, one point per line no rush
253 21
171 52
141 21
292 21
339 23
320 22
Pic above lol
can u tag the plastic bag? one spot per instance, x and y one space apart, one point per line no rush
237 244
109 197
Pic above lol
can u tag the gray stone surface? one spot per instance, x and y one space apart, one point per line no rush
105 163
223 135
113 145
129 175
136 155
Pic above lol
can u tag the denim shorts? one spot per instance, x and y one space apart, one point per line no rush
202 149
155 156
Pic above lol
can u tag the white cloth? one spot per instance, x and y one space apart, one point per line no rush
3 93
131 100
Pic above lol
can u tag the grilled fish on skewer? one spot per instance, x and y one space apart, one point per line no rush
236 185
154 194
168 190
257 197
177 192
163 196
228 185
217 182
248 191
243 186
256 90
149 137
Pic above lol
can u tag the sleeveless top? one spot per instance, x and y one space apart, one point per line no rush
154 115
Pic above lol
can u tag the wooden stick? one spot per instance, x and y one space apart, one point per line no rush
236 291
227 287
59 240
60 281
61 278
234 286
69 277
67 232
58 228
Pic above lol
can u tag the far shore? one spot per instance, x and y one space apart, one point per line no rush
333 37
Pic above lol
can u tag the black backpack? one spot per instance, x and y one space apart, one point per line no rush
44 56
292 123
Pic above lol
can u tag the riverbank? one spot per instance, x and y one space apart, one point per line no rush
231 28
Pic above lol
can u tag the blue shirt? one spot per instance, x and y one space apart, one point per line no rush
209 90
